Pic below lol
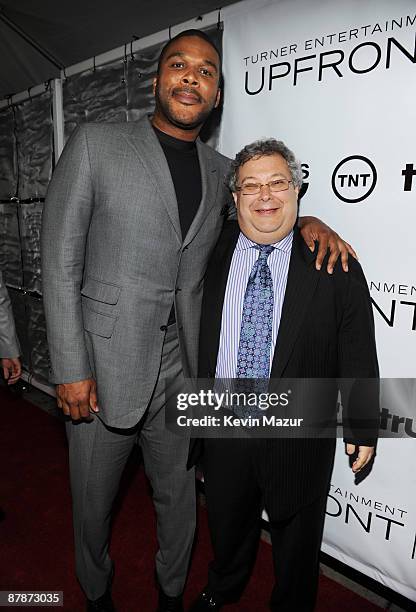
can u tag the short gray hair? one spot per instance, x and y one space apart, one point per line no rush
261 148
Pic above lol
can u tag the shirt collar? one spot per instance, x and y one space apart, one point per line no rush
174 143
285 245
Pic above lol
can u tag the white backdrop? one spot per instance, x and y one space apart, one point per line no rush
336 80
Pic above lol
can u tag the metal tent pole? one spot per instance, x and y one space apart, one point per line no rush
58 118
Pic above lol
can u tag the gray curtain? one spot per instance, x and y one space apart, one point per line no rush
26 136
119 91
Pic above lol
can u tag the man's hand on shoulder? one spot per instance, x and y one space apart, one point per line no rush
365 454
313 229
76 399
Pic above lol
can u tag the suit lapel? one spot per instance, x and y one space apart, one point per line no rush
301 283
209 178
145 144
215 286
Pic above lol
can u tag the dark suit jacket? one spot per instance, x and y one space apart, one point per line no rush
326 332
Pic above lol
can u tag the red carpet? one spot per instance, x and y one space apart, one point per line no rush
36 535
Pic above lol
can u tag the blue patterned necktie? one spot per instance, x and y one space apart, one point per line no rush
253 357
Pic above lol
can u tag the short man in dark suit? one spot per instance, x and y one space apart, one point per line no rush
268 313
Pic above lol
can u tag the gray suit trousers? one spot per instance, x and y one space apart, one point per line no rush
98 455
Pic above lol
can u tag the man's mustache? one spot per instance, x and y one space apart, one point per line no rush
188 91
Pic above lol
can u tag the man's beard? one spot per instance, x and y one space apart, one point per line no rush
197 121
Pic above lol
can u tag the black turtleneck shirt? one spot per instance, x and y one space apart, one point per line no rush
182 158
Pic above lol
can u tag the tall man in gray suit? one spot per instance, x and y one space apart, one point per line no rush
131 217
9 344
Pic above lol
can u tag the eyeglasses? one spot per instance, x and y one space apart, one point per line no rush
274 186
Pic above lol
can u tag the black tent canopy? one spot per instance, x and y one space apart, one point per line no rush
38 39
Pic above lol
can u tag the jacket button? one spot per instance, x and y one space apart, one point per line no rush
163 327
185 248
178 289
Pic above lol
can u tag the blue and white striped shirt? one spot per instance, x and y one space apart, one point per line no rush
244 257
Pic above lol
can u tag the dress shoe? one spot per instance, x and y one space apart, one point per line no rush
206 602
169 604
102 604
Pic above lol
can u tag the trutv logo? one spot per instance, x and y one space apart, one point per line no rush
355 178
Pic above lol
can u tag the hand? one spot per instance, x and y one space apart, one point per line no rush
313 229
12 369
77 398
365 454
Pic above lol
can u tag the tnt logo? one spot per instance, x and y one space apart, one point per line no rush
354 179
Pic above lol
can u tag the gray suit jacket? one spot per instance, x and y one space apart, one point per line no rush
9 344
113 262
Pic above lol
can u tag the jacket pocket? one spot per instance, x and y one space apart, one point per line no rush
98 323
100 291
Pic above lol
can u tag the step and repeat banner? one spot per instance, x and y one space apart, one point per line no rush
336 80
